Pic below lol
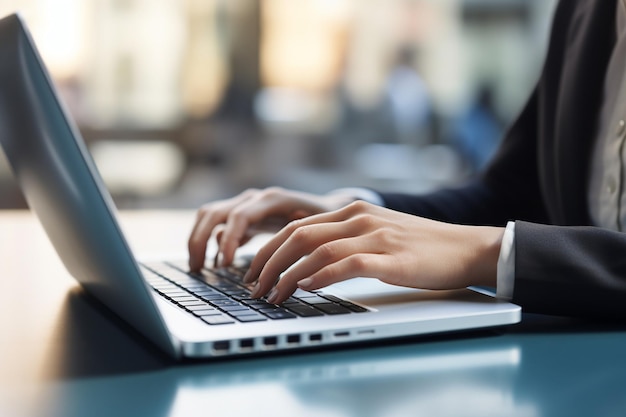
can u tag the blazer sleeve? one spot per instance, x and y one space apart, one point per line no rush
570 270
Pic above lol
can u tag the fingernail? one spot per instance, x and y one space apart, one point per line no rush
255 290
272 296
305 283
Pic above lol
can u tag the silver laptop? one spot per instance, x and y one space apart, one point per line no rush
203 315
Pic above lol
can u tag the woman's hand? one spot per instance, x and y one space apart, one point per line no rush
362 239
235 217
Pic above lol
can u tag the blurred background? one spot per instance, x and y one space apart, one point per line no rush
186 101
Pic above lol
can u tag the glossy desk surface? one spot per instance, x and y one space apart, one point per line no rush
62 354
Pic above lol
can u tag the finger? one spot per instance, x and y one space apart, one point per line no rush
198 240
357 265
209 216
302 242
328 254
271 247
208 219
219 231
264 209
238 225
231 239
217 259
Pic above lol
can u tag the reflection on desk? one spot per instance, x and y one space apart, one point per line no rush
443 376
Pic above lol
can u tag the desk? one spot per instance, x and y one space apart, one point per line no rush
62 354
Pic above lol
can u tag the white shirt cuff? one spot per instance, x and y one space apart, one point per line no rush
506 264
361 194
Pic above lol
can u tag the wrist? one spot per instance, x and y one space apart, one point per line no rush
486 255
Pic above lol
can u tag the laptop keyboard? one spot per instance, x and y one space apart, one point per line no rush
219 296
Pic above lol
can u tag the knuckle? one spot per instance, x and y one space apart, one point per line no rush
361 205
382 236
327 251
301 234
294 225
237 214
204 210
250 192
357 263
272 192
358 206
365 221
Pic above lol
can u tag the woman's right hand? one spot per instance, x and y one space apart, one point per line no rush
235 218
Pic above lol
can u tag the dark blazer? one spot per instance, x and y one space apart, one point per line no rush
540 174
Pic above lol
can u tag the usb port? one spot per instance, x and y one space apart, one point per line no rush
221 346
246 343
270 341
315 337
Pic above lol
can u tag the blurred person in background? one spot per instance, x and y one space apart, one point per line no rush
542 223
478 130
409 100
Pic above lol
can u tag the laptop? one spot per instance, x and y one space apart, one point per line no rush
188 316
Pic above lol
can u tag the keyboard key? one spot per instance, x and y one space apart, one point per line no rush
237 313
177 293
184 298
269 309
279 314
193 303
221 319
203 306
227 288
353 307
256 303
301 293
235 308
228 273
240 293
251 318
196 287
206 312
304 310
216 296
330 308
206 291
224 302
331 297
170 289
291 300
314 300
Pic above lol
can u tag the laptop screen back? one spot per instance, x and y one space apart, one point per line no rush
55 172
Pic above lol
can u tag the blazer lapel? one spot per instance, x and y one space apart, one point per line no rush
591 37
